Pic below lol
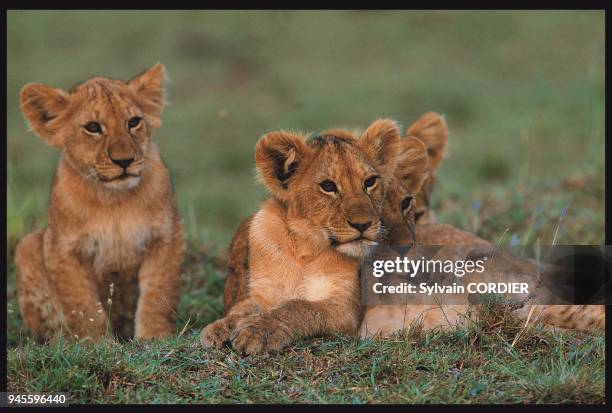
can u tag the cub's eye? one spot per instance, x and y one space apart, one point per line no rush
93 127
406 203
133 122
369 182
328 186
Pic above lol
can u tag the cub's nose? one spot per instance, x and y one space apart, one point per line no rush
360 226
124 163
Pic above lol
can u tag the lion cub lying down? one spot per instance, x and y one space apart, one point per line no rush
306 242
384 320
401 210
110 257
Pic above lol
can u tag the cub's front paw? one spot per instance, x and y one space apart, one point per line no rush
215 334
260 334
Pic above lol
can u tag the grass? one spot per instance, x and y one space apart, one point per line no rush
522 92
463 366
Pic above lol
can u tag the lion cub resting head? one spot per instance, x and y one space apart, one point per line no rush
431 130
332 187
305 242
110 256
401 214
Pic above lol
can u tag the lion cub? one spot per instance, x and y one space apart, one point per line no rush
110 257
306 242
430 128
399 214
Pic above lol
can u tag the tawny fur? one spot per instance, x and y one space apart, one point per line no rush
383 320
304 248
109 260
430 128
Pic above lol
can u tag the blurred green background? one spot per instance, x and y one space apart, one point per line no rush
522 92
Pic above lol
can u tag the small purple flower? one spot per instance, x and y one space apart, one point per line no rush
514 241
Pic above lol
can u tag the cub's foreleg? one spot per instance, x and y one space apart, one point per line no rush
158 280
36 302
295 319
219 332
73 284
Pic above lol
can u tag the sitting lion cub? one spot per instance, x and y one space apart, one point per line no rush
110 257
306 242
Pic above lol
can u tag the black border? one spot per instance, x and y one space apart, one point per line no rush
32 5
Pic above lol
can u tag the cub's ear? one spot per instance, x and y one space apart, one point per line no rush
412 161
380 142
42 105
149 89
278 156
432 130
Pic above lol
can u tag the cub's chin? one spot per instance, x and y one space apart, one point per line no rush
119 184
359 248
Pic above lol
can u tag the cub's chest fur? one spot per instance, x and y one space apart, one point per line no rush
328 275
117 240
280 273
